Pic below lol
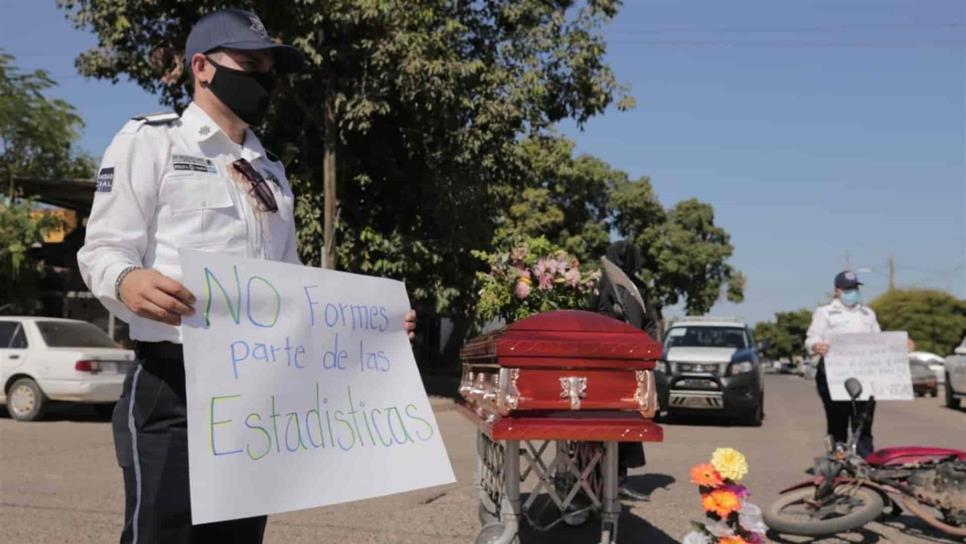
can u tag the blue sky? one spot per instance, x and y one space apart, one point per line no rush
817 129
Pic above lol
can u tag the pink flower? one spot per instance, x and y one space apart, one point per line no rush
522 289
544 282
572 277
556 266
518 253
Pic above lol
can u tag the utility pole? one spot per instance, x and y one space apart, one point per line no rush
892 272
328 178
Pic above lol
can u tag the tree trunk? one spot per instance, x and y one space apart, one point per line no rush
329 259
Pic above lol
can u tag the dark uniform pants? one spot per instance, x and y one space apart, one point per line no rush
838 415
151 441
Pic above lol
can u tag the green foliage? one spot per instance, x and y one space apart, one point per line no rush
935 320
37 133
685 253
566 200
577 203
446 144
37 136
534 276
432 100
785 335
20 229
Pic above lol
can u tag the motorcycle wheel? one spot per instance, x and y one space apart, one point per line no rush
850 508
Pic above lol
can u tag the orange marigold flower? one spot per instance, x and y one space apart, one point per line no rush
706 475
732 540
721 501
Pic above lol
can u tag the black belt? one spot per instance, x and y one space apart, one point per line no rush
159 352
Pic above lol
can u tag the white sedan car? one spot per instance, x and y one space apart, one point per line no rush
935 363
45 359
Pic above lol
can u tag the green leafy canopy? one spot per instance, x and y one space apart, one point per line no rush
431 98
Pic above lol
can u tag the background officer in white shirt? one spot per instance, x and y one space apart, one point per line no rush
200 180
845 314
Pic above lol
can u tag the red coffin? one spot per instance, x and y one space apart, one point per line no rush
564 360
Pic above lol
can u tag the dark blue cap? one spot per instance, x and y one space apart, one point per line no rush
239 29
847 280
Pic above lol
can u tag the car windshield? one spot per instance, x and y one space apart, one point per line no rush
706 337
73 334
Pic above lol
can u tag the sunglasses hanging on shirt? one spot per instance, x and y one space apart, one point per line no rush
258 188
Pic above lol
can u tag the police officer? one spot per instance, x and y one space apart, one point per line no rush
845 314
199 180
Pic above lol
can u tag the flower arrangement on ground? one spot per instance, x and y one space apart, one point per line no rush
731 518
533 276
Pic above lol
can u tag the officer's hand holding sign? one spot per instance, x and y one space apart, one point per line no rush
150 294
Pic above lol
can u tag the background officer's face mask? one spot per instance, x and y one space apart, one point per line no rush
246 94
850 297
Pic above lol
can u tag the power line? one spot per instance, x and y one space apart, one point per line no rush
645 29
792 44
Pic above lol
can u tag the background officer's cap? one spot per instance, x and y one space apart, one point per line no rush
847 280
239 29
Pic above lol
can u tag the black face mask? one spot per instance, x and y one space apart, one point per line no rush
246 94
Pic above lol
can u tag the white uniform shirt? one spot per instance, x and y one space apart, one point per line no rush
163 186
837 318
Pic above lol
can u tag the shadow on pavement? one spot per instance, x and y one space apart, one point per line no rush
868 537
906 524
81 413
632 529
648 483
909 524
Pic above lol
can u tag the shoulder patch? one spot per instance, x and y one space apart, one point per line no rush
105 180
158 118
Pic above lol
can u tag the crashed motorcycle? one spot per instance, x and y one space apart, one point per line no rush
848 491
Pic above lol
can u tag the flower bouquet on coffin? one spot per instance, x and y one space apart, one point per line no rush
730 517
533 276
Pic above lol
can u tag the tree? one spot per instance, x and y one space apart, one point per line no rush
37 136
20 229
577 203
566 200
431 101
786 335
685 253
37 133
935 320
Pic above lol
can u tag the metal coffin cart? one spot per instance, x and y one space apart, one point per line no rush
552 395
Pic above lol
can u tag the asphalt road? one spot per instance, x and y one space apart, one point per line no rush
59 481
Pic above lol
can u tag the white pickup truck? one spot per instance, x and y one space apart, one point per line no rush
956 376
45 359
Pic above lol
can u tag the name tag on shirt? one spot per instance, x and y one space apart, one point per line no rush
192 164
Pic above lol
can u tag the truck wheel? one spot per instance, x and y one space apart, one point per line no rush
26 401
757 415
951 400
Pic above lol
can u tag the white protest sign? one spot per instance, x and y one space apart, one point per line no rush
880 361
302 390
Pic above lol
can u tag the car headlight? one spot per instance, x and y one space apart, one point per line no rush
742 367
